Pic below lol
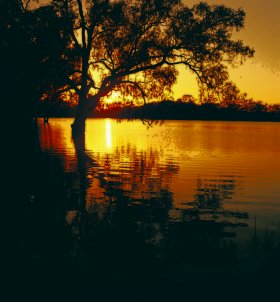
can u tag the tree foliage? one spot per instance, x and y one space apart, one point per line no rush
34 52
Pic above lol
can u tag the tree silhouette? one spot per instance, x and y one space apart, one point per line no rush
134 47
35 54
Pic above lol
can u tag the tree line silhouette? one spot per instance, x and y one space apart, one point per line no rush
185 108
180 110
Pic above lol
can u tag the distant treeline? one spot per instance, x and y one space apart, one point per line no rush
189 111
51 108
180 110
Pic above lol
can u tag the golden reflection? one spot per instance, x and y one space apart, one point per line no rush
132 161
56 137
108 134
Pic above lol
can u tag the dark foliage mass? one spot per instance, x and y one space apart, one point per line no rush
185 108
34 54
190 111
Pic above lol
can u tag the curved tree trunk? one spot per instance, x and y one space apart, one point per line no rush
84 108
78 127
79 124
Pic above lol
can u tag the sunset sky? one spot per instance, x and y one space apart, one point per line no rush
259 77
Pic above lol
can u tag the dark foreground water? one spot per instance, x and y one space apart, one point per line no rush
186 207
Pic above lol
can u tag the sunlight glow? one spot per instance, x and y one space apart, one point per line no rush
115 96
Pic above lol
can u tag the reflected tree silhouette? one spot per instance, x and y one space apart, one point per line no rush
126 234
211 194
203 236
122 225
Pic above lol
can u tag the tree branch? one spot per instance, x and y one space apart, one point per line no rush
137 86
143 68
73 85
60 91
89 79
71 26
83 23
23 5
102 61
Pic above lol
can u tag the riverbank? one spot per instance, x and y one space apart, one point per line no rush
170 110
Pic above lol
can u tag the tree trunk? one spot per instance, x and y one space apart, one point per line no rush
85 107
79 124
78 127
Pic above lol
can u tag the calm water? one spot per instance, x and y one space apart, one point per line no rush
173 202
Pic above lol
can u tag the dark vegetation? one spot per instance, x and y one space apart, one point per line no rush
190 111
34 56
171 110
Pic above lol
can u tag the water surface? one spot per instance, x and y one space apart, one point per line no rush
161 203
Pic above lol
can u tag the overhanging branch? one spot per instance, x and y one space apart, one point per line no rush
83 22
73 85
137 86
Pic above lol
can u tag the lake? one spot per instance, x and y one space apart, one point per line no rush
141 204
